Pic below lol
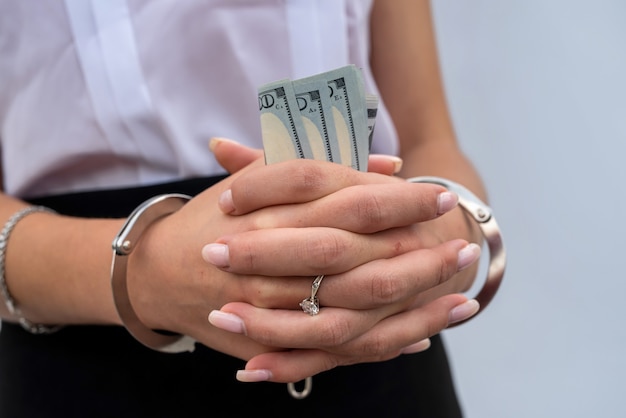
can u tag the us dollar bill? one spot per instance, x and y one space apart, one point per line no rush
284 135
312 96
347 96
327 116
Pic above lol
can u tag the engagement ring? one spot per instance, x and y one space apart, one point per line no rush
311 304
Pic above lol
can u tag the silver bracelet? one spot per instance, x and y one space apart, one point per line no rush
4 289
123 244
483 216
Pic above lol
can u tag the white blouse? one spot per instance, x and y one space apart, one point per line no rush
113 93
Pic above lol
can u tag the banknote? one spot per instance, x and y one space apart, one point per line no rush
327 116
284 135
315 110
350 115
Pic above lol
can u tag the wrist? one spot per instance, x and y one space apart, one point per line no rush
125 243
57 269
10 303
150 268
484 219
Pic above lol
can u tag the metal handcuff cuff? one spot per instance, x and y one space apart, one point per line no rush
483 215
123 244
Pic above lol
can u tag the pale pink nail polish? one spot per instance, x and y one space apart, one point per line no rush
213 142
225 201
216 254
468 255
227 321
254 375
397 163
463 311
418 347
446 201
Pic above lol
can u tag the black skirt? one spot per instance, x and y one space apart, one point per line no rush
101 371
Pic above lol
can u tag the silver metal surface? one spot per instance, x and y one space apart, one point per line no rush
485 220
123 245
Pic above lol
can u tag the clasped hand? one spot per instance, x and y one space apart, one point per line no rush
274 229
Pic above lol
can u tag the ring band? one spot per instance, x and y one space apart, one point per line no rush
311 305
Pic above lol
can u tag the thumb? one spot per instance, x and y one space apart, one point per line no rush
232 155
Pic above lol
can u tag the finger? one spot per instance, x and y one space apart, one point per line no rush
382 342
294 181
394 333
384 164
417 347
284 369
336 329
272 252
397 282
232 155
362 208
370 208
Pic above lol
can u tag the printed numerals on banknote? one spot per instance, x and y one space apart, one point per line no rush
327 116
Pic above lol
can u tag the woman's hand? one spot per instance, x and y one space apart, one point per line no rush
373 311
367 314
357 228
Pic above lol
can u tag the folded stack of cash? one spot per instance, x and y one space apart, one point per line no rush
327 116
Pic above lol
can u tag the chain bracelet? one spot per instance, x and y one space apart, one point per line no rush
4 289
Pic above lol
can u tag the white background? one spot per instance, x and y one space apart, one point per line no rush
537 90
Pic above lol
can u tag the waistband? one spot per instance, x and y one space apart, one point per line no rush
119 203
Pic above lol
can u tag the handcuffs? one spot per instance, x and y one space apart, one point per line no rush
483 215
123 244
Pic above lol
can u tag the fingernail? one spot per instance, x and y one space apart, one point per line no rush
254 375
397 163
446 202
216 254
418 347
393 159
215 141
468 255
227 321
463 311
225 201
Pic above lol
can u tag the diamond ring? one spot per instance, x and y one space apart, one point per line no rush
311 305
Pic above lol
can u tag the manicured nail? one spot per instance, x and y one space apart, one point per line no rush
214 142
446 202
468 255
418 347
395 160
225 201
227 321
397 164
463 311
216 254
254 375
